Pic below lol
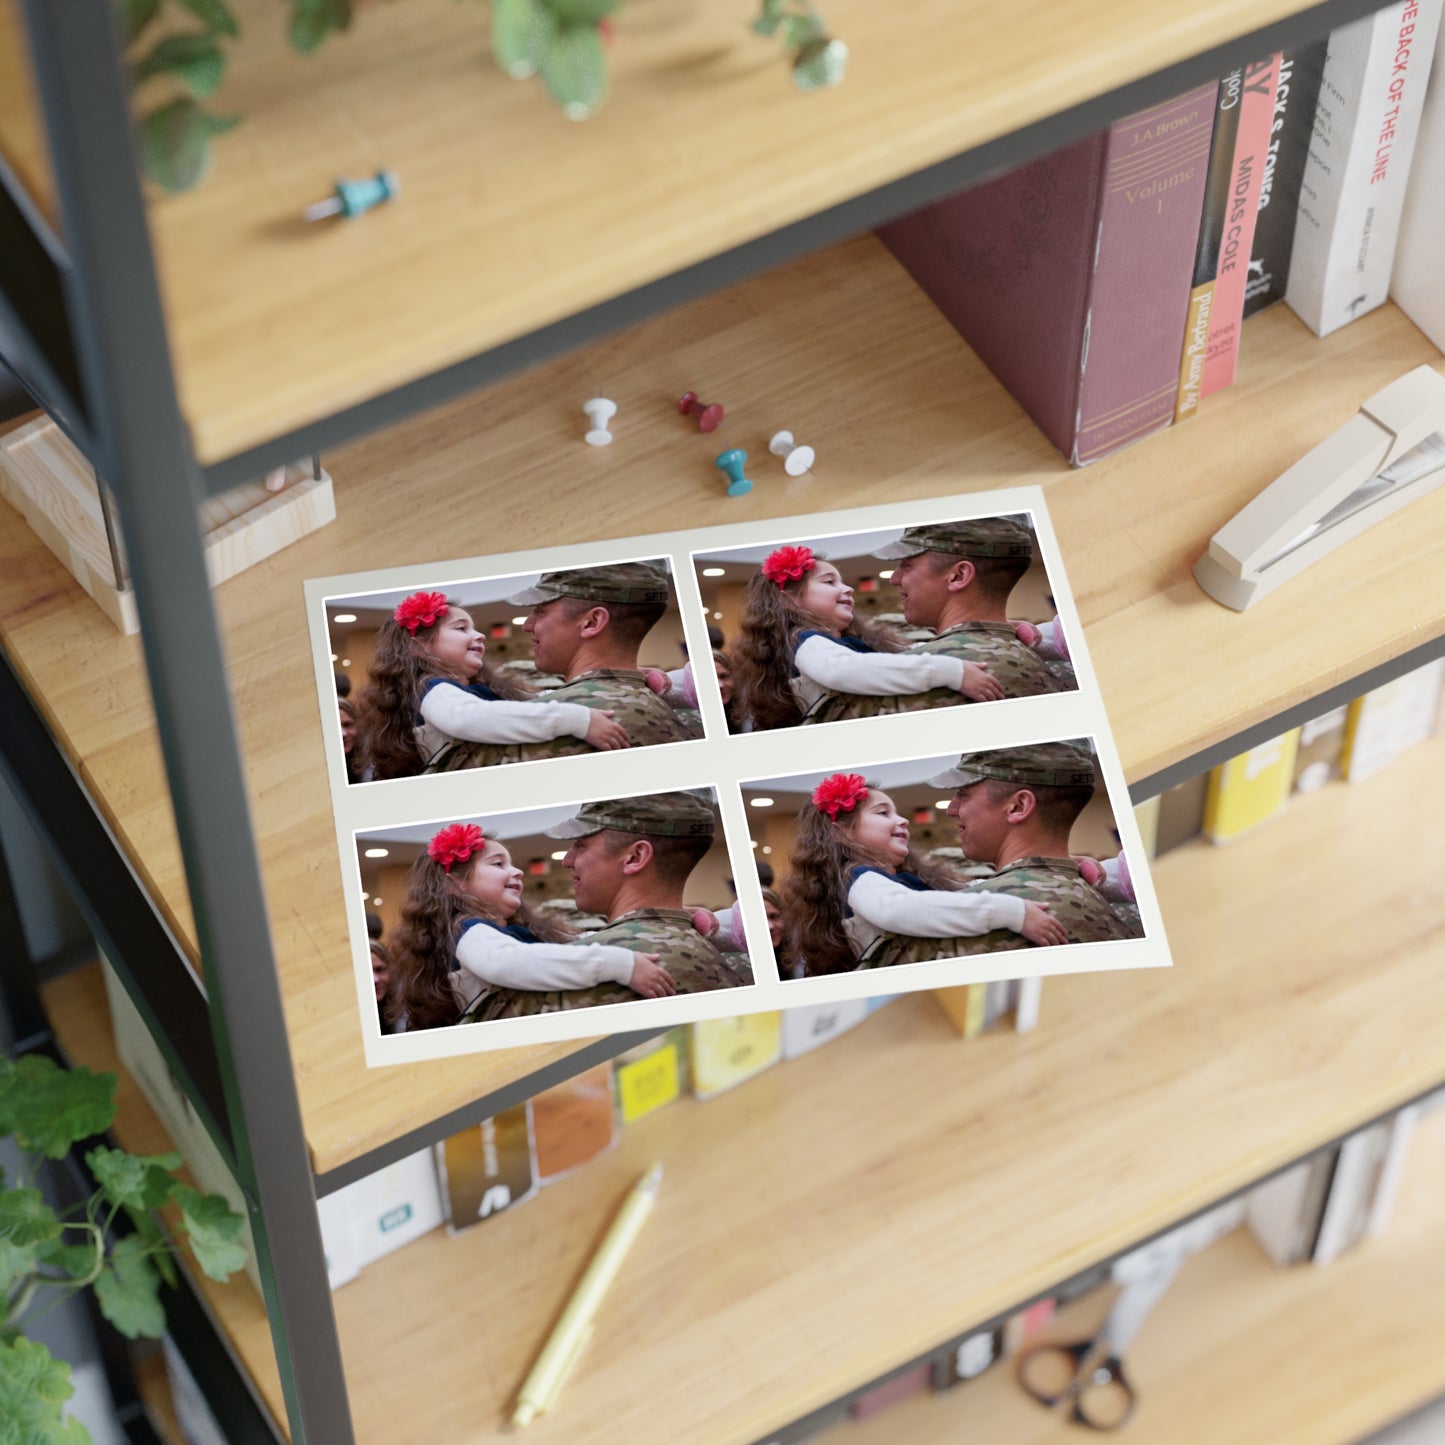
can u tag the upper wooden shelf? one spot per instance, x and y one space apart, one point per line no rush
900 1185
1242 1350
511 217
899 408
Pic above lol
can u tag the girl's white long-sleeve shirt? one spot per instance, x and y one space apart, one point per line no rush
487 954
450 712
883 903
825 665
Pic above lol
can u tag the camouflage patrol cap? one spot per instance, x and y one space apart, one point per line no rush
659 815
981 537
621 582
1044 765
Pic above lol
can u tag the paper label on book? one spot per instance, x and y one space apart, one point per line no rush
727 1051
647 1084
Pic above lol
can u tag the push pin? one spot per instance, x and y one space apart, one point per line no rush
599 411
354 198
731 461
796 459
709 416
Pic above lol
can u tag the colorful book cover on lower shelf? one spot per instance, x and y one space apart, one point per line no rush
489 1168
1389 719
1249 789
559 889
1046 272
1321 747
573 1122
650 1076
725 1052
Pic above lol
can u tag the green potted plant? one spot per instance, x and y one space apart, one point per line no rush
46 1256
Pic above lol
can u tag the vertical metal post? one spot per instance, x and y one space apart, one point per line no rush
143 452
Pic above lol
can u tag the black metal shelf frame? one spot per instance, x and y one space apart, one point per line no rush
81 326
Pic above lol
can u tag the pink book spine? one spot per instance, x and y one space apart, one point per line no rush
1256 112
1148 230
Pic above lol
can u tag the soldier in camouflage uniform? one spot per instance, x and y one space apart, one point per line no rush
1027 842
639 890
965 608
587 624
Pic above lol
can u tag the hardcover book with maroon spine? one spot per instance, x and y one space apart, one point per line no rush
1251 147
1070 275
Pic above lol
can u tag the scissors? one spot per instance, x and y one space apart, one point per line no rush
1089 1374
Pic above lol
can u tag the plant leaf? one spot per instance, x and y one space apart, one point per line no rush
820 63
769 17
135 15
581 12
214 15
74 1261
48 1108
25 1218
33 1388
214 1229
16 1261
574 70
137 1181
175 143
313 20
803 29
521 32
129 1291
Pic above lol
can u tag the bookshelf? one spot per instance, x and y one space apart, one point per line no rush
1151 1094
1240 1349
929 421
283 351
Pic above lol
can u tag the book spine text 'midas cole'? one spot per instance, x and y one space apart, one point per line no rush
1070 275
1354 182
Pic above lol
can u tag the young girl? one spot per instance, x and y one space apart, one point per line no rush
464 926
431 685
854 878
799 642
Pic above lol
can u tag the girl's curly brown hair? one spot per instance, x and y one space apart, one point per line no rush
768 633
431 917
400 664
815 891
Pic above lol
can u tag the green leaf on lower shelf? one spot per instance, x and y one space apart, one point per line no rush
574 70
135 15
134 1180
33 1389
313 20
16 1261
214 15
214 1229
74 1261
25 1218
48 1108
582 12
820 63
521 32
195 60
175 144
129 1291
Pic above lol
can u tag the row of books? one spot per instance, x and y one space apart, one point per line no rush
1353 743
1105 285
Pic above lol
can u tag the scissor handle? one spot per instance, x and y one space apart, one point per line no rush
1041 1365
1103 1397
1086 1373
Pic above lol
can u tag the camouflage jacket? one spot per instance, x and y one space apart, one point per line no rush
623 691
1087 916
994 645
694 963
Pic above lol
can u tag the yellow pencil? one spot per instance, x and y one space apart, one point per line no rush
573 1330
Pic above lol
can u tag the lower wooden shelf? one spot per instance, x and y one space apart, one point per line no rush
847 1212
1243 1350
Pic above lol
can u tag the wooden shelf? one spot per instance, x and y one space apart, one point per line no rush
1242 1350
76 1006
899 409
898 1186
512 217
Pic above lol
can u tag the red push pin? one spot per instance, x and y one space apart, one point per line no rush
709 417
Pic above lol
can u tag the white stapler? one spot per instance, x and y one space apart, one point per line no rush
1386 455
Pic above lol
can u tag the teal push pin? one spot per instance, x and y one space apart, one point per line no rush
731 461
355 198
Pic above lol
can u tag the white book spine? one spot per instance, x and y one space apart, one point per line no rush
1026 1010
1351 1179
1418 285
1402 1126
1355 177
807 1027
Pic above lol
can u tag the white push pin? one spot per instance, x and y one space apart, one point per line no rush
599 411
796 459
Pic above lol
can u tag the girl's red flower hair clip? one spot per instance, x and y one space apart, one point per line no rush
421 609
840 793
455 844
787 564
